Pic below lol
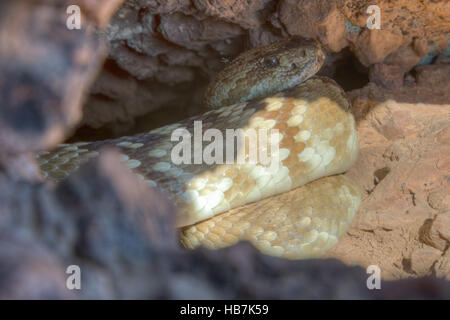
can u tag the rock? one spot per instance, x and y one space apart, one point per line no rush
35 73
30 271
375 45
404 57
164 6
433 76
246 14
436 200
101 219
423 260
387 76
319 19
402 24
442 267
262 36
117 100
140 66
435 232
193 34
402 166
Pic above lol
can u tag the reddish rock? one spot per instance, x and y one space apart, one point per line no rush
319 19
434 75
423 259
387 76
436 232
244 13
405 58
373 46
403 23
404 139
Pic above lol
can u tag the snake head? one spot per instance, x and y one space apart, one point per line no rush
265 70
300 55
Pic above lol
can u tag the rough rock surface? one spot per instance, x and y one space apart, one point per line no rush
120 232
403 167
43 74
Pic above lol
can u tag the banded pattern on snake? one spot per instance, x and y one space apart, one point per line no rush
297 211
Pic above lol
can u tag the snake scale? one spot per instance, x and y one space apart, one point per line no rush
297 211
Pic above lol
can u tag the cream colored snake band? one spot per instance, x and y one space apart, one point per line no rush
299 209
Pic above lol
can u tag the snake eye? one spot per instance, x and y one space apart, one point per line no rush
270 62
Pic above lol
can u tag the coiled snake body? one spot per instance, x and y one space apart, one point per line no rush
300 209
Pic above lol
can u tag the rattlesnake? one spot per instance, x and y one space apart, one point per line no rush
300 209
